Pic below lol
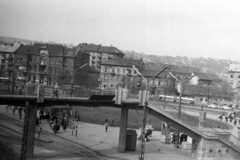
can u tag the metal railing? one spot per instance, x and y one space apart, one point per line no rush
206 129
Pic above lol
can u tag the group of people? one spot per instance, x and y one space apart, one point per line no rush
106 124
14 109
55 123
231 117
178 138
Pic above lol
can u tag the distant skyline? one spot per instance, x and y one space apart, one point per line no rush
192 28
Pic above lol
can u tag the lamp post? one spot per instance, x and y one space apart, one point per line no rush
144 109
180 91
72 72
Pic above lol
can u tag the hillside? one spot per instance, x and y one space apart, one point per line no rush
206 65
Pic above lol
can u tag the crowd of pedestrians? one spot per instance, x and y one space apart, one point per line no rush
178 138
231 117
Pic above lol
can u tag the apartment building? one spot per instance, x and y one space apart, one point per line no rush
119 72
100 54
234 75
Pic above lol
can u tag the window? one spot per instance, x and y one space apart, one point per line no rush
238 76
124 70
111 85
231 76
118 70
3 60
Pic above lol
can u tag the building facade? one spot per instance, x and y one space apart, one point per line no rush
119 72
234 75
100 54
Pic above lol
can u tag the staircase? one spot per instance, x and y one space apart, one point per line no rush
185 124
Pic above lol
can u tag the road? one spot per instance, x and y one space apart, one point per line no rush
59 149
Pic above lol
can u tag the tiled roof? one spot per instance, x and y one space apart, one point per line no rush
9 48
100 49
203 76
214 77
234 67
23 49
208 77
54 49
123 62
151 73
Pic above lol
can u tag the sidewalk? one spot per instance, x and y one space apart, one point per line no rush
106 143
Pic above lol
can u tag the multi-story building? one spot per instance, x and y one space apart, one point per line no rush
162 84
234 75
100 54
7 53
81 75
116 71
39 63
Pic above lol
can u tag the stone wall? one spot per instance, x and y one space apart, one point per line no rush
213 150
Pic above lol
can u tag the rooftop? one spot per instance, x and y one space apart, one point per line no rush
123 62
100 49
9 48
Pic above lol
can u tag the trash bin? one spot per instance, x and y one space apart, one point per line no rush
131 140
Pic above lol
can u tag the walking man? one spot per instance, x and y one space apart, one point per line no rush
20 113
55 90
106 125
112 124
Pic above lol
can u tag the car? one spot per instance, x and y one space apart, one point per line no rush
227 107
213 105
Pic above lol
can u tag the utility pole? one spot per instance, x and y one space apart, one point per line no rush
72 72
181 90
145 109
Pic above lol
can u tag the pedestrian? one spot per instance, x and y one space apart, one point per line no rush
20 113
106 125
112 124
7 107
55 90
37 122
235 121
14 109
226 118
106 120
78 117
64 123
181 138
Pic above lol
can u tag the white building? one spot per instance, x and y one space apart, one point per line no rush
234 75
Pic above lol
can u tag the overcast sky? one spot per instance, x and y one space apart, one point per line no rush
193 28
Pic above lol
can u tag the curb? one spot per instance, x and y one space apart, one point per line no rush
44 140
20 132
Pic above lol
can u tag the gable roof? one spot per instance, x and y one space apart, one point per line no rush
123 62
151 73
207 77
9 48
101 49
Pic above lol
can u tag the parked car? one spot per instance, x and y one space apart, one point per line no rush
227 107
213 105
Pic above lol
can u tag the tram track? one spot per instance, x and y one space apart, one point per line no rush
85 152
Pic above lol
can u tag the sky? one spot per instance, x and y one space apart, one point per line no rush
192 28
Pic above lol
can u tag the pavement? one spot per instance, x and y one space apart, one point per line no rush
105 143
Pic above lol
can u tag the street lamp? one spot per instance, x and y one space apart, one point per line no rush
181 89
73 72
144 108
